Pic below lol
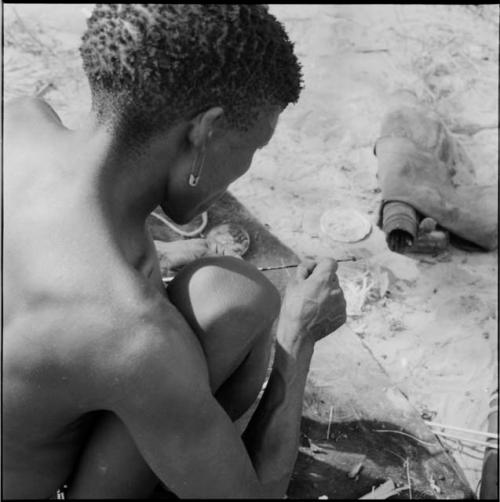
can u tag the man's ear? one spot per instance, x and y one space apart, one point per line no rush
203 126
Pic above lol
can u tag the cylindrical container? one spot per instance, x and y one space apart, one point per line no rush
489 476
399 216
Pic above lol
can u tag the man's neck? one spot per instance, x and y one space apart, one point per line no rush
130 183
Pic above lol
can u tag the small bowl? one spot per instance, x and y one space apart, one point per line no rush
344 225
229 239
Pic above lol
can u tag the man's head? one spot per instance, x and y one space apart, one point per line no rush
223 67
150 65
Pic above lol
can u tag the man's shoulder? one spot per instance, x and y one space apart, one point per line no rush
153 326
147 343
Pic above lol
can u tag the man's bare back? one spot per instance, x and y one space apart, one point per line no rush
67 288
88 327
110 383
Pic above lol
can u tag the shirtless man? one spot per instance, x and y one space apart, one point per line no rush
109 382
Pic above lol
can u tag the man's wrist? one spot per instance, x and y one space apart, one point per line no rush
293 339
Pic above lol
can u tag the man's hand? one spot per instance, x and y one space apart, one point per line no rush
177 254
314 301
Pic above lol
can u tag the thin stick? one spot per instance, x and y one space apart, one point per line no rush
329 423
367 51
278 267
394 453
44 90
408 475
474 441
461 429
404 434
381 493
264 269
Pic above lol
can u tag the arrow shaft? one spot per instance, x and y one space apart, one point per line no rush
277 267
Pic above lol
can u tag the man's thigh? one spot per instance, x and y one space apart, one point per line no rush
231 307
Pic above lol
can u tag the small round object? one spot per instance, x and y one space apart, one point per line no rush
229 239
344 225
428 225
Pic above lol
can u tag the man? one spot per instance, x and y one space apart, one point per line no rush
111 383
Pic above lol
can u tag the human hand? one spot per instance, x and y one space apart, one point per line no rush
179 253
313 301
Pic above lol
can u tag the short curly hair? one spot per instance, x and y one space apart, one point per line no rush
150 65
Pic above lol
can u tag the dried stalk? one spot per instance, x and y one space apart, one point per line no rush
461 429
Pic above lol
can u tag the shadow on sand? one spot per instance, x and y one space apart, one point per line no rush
327 466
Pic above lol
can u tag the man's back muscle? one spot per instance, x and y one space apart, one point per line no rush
71 302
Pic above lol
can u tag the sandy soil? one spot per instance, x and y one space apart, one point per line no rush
430 321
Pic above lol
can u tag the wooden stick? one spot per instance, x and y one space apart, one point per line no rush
405 434
329 423
461 429
44 90
474 441
384 491
278 267
408 475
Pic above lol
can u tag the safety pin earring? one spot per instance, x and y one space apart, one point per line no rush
194 178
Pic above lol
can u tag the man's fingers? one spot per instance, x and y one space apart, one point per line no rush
305 269
327 266
197 243
182 252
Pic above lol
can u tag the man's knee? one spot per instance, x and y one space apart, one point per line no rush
225 293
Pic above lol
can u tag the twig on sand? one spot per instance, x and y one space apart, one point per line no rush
394 453
368 51
44 90
384 491
329 423
279 267
462 429
467 440
404 434
356 469
407 462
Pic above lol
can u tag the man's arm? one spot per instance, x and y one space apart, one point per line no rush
272 436
188 439
185 436
313 307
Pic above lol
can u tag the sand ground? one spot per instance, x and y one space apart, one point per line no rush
430 321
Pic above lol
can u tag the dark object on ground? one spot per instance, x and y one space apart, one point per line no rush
404 233
421 164
400 224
